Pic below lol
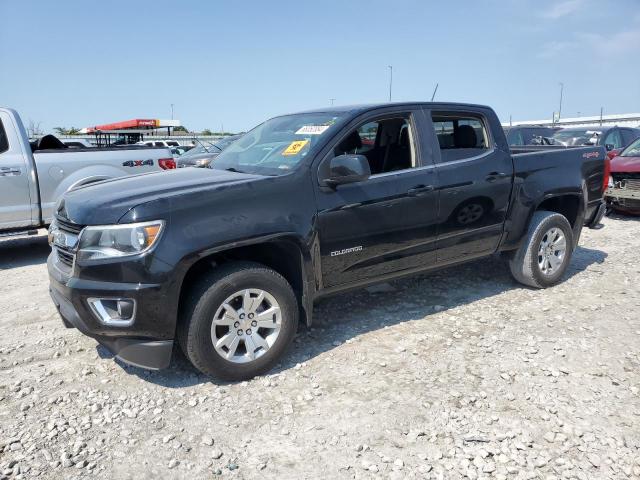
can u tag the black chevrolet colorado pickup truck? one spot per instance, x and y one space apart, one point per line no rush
226 261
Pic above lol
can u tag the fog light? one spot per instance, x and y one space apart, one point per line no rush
116 312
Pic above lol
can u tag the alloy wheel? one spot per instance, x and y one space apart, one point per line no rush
246 325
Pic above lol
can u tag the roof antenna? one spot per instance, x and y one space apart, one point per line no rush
434 92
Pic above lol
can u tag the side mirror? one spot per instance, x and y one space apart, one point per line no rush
609 147
346 169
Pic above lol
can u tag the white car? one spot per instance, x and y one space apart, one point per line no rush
159 143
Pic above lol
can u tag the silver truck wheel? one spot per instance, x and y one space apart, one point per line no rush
546 251
551 252
246 325
237 321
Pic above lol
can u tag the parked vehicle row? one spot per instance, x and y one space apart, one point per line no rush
33 176
226 260
614 139
205 152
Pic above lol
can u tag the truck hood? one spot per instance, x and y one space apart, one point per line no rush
625 164
104 203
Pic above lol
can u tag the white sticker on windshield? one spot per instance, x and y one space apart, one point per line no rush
312 130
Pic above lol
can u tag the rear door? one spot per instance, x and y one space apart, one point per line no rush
15 198
475 180
386 224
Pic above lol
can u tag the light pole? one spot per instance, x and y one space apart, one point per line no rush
560 108
390 80
172 111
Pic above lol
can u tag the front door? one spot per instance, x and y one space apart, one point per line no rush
475 180
386 224
15 199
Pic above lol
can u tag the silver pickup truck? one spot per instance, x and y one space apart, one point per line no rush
33 176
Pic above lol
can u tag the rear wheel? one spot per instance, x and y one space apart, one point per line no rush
544 256
238 321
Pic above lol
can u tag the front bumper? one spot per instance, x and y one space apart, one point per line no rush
138 344
623 198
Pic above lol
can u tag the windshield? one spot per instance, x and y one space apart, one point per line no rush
576 137
278 145
201 147
632 150
223 143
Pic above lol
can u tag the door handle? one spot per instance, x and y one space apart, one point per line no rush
419 190
9 172
493 176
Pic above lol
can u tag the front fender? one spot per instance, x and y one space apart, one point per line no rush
286 243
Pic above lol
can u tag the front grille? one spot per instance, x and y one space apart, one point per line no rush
68 226
629 181
632 183
65 257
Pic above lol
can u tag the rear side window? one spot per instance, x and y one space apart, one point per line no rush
514 137
460 135
629 135
159 144
4 142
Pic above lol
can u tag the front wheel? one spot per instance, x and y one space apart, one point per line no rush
544 255
238 321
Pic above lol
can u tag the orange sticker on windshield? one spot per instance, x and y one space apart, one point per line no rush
295 147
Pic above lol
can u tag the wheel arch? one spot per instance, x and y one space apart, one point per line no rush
286 254
570 205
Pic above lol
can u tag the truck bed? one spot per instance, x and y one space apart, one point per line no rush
569 166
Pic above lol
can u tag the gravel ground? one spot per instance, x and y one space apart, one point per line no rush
458 374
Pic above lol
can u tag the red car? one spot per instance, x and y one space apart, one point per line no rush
623 193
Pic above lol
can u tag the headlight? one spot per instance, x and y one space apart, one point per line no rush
113 241
204 162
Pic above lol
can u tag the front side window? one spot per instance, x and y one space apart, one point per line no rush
460 136
388 144
278 145
613 139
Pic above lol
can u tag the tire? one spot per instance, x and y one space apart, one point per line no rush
525 262
206 299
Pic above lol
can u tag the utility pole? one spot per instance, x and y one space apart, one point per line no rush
332 100
172 111
560 109
390 80
601 112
